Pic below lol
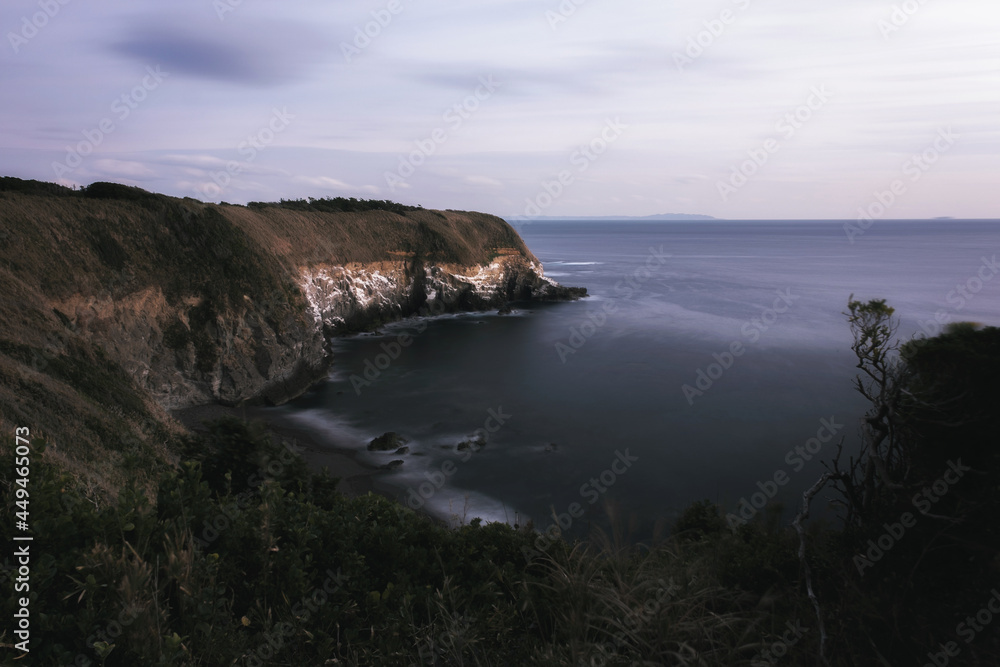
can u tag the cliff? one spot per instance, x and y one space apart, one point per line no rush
113 291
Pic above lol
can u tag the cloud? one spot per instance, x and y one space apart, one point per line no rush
325 182
692 179
203 161
483 180
123 169
255 54
328 183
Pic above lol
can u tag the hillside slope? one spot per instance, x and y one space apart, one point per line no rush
119 304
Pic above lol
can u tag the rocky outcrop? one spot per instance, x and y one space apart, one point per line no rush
353 297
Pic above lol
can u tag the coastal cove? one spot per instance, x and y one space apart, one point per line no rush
500 334
715 354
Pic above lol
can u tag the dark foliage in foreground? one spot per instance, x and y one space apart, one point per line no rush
266 564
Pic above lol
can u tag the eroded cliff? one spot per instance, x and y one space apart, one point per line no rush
191 303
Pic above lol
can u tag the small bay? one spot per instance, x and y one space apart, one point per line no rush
710 357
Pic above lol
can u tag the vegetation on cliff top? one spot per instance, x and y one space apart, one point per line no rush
296 232
337 205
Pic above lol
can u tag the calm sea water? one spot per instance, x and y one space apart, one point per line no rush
707 353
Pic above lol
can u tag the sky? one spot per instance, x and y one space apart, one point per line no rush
739 109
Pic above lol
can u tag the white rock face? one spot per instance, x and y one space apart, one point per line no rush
341 297
337 293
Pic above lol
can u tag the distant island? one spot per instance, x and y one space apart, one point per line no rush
659 216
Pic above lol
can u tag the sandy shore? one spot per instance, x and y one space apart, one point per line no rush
356 479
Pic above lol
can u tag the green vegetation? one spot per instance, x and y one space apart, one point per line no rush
241 556
102 190
337 205
92 408
116 191
41 188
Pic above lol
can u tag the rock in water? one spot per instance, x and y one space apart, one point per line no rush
475 444
390 441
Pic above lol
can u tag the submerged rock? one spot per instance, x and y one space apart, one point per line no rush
392 465
390 441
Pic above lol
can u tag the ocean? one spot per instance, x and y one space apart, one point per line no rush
711 361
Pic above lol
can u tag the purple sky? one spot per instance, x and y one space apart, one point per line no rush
732 108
